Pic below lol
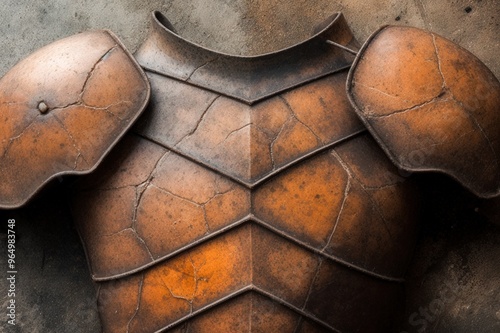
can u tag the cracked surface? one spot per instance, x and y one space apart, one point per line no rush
327 202
177 203
248 143
388 205
204 236
85 113
169 204
200 286
442 93
249 80
250 312
156 203
212 240
191 281
209 232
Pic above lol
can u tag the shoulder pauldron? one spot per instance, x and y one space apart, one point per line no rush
63 108
431 105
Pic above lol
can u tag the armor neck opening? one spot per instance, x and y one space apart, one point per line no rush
328 26
246 78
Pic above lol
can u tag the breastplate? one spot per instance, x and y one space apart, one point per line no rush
248 198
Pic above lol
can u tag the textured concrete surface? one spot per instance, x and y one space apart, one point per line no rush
454 282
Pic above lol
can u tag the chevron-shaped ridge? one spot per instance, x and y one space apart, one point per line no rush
256 260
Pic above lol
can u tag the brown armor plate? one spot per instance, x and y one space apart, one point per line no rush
63 108
431 105
314 240
221 215
248 79
245 142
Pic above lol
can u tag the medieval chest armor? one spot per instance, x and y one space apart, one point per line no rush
248 198
251 198
258 194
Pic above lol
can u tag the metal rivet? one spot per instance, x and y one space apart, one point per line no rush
42 107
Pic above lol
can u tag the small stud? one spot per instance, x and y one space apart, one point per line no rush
42 107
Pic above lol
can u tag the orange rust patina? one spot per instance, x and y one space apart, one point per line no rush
63 108
431 105
248 198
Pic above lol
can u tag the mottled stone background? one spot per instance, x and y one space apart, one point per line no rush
454 282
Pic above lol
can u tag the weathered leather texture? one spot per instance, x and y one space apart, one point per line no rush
248 79
63 108
223 215
431 105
